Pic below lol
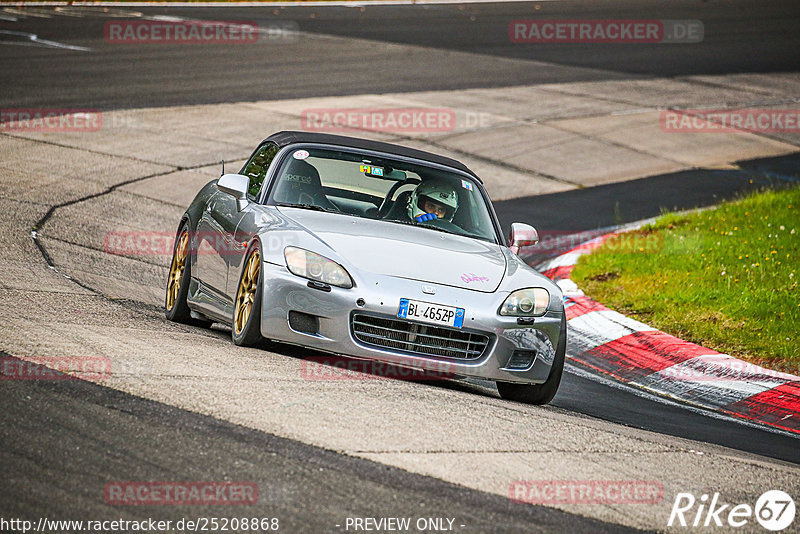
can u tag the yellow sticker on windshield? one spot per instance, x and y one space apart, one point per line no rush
369 170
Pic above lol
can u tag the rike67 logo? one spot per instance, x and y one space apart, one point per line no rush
774 510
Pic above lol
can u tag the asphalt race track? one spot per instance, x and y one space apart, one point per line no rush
187 406
128 438
740 37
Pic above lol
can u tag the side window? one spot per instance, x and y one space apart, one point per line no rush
256 168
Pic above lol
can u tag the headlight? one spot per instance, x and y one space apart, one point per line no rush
315 267
526 302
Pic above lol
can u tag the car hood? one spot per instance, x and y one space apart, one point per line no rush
405 251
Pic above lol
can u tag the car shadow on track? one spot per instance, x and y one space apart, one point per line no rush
322 366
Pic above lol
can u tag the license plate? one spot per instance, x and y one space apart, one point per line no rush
426 312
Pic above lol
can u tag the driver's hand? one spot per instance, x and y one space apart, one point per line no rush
425 217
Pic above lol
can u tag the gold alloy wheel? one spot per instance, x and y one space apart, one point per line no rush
247 292
176 271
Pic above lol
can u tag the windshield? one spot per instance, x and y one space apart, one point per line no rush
352 183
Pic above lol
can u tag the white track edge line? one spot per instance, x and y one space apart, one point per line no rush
631 387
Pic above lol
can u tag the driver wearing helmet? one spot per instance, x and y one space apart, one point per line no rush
432 200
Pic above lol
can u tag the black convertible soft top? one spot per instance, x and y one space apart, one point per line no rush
289 137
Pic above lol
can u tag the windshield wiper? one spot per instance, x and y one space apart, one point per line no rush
306 207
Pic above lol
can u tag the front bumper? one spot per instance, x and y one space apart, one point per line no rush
379 296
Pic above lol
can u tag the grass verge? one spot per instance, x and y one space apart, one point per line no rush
724 278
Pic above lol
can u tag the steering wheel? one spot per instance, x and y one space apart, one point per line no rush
387 203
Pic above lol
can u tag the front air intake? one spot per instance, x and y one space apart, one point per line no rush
304 323
418 339
521 359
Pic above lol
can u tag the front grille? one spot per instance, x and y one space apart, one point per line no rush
426 340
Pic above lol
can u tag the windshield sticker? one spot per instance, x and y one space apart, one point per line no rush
369 170
466 185
303 179
300 154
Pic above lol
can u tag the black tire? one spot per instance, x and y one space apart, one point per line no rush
180 312
250 333
540 393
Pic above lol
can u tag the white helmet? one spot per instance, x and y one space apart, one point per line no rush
438 192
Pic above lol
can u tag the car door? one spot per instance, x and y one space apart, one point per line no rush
216 242
221 246
256 169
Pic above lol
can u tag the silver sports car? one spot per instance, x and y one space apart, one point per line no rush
373 251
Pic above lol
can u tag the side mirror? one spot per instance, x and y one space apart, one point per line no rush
235 185
522 235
